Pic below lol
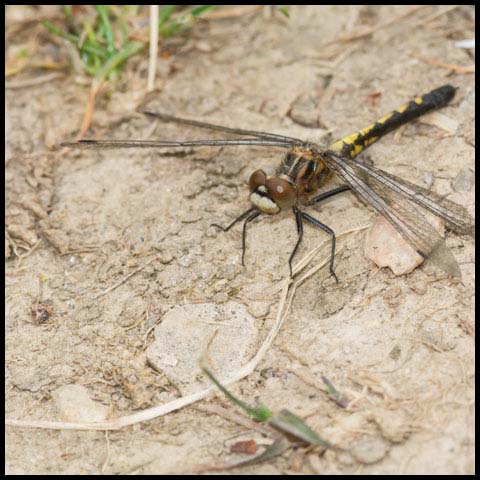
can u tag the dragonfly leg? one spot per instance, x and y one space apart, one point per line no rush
326 229
328 194
254 215
298 219
238 219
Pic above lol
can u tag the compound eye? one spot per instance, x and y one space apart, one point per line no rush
281 191
257 179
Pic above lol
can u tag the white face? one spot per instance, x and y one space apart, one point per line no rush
263 202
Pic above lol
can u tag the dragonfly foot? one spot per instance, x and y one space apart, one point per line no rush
219 226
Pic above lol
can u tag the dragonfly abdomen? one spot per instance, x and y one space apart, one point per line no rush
355 143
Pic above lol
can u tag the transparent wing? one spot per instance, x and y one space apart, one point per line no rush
167 143
456 217
396 200
210 126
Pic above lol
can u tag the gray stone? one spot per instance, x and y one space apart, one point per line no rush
228 332
75 405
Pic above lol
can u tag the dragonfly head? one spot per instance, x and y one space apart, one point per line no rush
271 194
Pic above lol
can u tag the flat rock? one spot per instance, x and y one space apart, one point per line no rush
370 450
75 405
387 248
227 332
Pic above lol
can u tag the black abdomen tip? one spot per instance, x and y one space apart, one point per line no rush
440 96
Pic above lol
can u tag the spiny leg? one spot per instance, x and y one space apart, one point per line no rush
238 219
328 194
254 215
298 219
319 224
318 199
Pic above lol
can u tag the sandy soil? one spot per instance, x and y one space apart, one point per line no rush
78 223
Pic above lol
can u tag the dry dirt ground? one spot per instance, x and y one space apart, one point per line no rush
110 243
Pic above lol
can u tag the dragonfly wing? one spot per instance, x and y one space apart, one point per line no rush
456 217
210 126
399 208
167 143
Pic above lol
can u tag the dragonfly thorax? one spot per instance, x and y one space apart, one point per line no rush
271 194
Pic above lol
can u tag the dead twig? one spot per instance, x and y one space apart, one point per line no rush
152 61
13 244
436 15
88 115
369 31
15 247
124 279
31 82
460 69
231 12
107 457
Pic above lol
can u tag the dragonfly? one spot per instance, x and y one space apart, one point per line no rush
307 166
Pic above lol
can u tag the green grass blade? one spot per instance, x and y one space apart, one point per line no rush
261 413
106 26
117 59
165 13
283 10
60 33
288 422
197 11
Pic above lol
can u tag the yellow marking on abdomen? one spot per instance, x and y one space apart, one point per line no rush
353 144
402 108
353 139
